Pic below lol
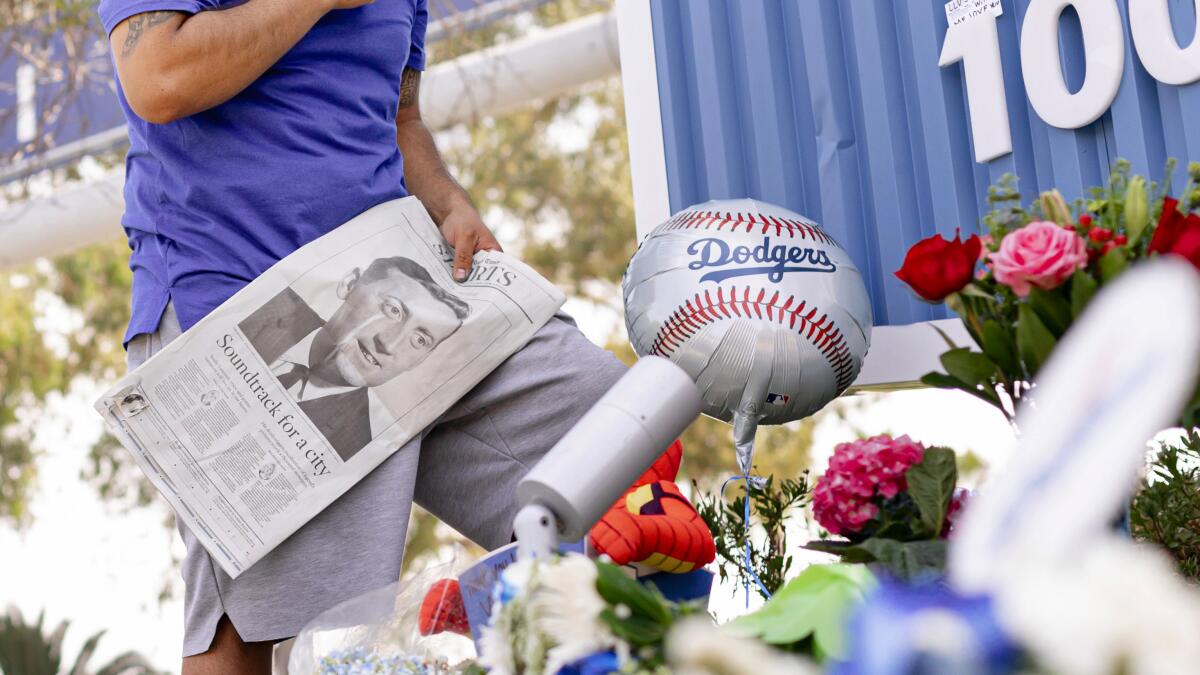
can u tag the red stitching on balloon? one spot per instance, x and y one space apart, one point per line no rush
705 220
702 310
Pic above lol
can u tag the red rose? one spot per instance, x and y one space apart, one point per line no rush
935 268
1177 233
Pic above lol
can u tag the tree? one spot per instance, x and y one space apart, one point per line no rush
63 320
25 649
63 46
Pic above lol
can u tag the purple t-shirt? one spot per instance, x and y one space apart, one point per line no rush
214 199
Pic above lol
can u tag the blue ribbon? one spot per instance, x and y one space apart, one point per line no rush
746 566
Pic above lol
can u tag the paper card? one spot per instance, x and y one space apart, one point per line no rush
961 11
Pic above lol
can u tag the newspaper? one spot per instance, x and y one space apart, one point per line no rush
286 395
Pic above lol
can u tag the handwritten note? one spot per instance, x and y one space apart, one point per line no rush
961 11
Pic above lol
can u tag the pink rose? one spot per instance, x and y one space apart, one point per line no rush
1041 254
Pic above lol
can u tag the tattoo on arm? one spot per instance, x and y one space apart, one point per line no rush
138 24
410 83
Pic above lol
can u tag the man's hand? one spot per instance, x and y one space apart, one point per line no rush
465 231
428 179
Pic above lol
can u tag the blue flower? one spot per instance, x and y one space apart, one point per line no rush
600 663
926 629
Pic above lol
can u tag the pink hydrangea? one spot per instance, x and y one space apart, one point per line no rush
1040 254
843 500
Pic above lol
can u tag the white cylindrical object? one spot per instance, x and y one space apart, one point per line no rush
614 444
50 226
496 80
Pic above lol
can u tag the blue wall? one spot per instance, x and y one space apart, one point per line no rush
837 109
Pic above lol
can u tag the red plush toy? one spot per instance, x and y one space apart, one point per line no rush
654 524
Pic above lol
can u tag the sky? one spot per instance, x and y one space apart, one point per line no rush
103 568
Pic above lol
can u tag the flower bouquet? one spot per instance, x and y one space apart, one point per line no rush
892 501
1038 268
572 615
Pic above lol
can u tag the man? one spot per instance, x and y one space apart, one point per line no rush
256 126
392 316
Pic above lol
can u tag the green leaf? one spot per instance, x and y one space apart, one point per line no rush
617 588
849 552
638 631
1052 309
945 338
968 366
944 381
815 604
999 346
1113 263
908 560
1034 341
1083 287
931 484
1137 209
974 291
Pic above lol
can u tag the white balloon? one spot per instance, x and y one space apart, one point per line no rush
756 303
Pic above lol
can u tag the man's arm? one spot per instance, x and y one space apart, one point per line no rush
428 179
173 64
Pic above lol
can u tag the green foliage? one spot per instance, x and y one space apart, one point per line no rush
25 649
1166 510
86 292
931 485
1083 287
1034 340
639 614
809 614
905 560
773 506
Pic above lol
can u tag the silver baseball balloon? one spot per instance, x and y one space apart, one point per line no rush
757 303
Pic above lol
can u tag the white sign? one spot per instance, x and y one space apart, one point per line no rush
972 38
960 11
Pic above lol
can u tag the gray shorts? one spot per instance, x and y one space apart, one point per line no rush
464 469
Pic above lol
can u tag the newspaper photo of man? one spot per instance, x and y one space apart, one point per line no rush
391 317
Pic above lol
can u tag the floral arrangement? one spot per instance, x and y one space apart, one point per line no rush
547 617
577 616
892 501
1019 287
